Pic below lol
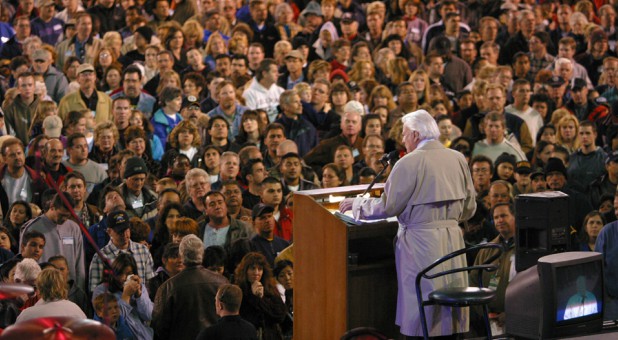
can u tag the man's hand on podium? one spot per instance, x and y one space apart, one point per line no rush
346 205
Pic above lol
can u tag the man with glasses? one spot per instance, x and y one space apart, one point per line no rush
13 47
132 89
141 201
482 170
62 236
55 81
197 184
87 98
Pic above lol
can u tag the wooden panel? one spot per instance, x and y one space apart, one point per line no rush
332 296
320 280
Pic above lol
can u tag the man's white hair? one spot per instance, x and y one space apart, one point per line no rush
423 123
354 106
191 250
563 61
194 173
27 270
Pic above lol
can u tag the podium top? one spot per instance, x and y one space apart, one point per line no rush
347 191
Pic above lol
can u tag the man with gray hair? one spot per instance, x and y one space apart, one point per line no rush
296 127
195 286
351 124
436 184
197 182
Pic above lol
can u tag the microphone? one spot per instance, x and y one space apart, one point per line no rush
390 158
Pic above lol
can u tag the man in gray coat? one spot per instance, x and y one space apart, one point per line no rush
62 237
55 82
430 190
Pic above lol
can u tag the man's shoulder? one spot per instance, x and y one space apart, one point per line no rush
70 97
139 249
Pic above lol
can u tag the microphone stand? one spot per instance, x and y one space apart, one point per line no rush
386 164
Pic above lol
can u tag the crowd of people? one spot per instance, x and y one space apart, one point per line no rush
135 124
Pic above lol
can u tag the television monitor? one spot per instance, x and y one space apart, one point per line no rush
562 295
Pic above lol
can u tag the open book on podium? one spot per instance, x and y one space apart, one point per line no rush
344 270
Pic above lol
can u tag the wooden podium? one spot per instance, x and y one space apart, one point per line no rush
344 275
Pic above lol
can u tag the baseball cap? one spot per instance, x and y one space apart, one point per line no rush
295 54
578 84
118 221
52 126
40 54
556 81
190 101
85 68
523 167
261 209
347 18
612 157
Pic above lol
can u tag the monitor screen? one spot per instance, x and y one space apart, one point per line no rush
579 291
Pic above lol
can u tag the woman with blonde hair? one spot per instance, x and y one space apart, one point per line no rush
399 71
168 78
214 46
568 133
45 109
113 41
53 303
381 96
420 81
362 69
194 34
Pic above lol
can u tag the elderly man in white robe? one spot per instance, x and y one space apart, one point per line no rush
430 191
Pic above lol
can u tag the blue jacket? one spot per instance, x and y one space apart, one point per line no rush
163 125
146 102
300 131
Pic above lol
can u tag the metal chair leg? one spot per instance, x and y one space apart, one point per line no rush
486 319
421 308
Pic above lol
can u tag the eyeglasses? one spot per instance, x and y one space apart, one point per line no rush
480 171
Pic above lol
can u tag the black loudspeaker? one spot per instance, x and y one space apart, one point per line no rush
542 227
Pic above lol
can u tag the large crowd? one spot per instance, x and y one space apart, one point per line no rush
132 124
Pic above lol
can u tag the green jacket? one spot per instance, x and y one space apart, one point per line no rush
18 118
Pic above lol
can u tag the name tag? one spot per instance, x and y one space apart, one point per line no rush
68 241
355 153
58 27
138 205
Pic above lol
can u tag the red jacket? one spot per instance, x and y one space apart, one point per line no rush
284 228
